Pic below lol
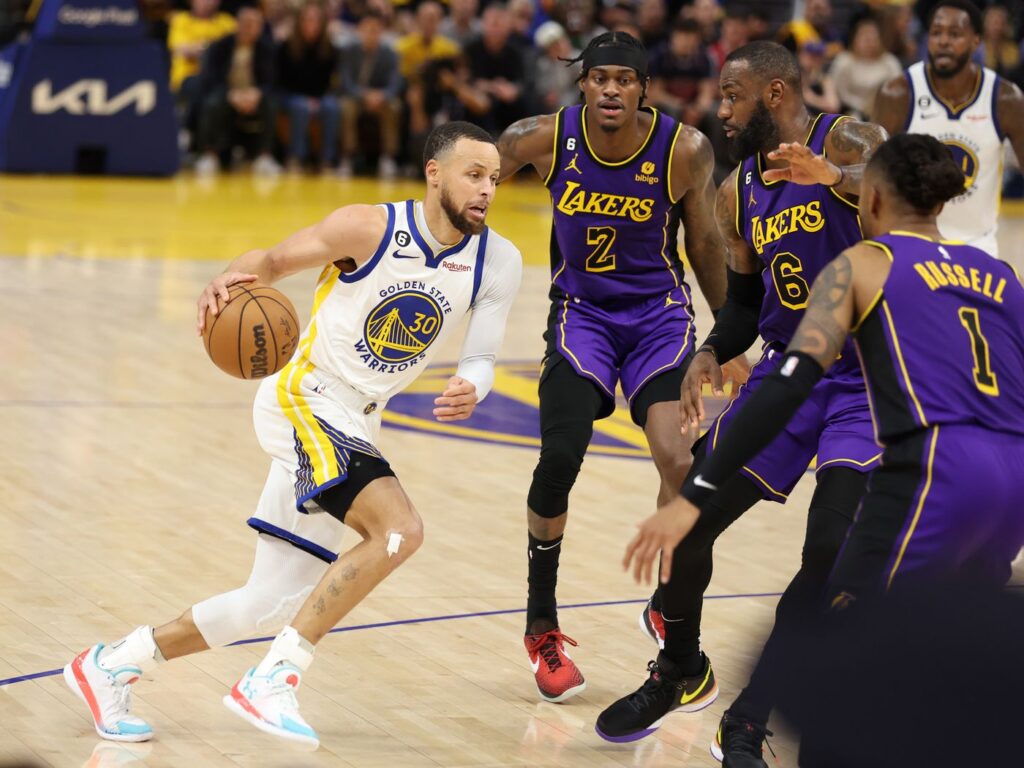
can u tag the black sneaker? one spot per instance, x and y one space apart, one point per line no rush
740 743
640 713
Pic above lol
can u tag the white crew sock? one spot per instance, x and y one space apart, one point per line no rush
288 646
138 648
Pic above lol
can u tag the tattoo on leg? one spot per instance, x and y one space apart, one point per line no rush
349 572
319 606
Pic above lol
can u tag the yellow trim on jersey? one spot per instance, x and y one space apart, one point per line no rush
878 296
643 145
314 441
903 365
579 365
810 133
956 110
872 460
554 147
907 233
668 170
664 247
739 199
920 507
780 494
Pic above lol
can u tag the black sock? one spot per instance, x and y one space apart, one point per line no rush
543 576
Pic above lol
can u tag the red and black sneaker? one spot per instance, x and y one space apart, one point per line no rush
558 678
652 624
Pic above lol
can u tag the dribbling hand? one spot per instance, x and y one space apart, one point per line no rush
660 533
218 288
457 401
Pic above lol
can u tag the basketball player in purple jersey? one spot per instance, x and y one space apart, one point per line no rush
939 328
785 212
619 175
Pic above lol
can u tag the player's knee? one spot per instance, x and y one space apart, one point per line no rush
554 477
400 533
672 466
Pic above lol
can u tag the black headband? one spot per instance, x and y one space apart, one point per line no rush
616 56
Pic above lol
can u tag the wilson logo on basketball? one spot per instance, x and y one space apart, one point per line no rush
259 359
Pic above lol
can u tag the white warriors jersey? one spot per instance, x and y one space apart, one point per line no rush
378 327
972 133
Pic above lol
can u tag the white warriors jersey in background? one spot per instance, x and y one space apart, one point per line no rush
378 327
972 133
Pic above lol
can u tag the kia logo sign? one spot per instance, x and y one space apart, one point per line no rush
90 97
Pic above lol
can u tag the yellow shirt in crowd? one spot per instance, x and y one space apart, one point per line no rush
413 52
186 28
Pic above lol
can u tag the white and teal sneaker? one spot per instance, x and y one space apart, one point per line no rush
269 703
107 692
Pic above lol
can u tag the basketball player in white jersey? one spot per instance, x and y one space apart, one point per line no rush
397 279
967 107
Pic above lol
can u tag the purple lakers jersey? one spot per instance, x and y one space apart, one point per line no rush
611 239
944 342
796 230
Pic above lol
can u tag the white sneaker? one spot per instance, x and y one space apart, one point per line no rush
344 170
207 165
265 165
107 692
269 703
386 168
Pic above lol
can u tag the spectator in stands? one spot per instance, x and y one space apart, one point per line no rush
371 86
497 69
897 23
417 51
1000 47
733 35
682 81
188 35
815 26
280 19
759 25
235 82
522 13
615 13
707 14
650 17
859 72
556 83
818 89
579 18
306 63
462 24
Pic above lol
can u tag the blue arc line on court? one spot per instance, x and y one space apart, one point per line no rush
423 620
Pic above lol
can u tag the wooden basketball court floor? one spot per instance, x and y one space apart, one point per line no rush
128 466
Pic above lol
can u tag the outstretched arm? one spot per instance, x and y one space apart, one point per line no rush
848 147
527 142
349 235
818 339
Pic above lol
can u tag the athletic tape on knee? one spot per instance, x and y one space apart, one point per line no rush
394 542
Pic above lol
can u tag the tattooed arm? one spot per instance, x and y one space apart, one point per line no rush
848 147
527 142
691 180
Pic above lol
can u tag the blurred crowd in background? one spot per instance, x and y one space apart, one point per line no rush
354 86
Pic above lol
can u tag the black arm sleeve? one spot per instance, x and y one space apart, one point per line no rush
764 416
736 322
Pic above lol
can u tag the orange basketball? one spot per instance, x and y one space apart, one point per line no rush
254 334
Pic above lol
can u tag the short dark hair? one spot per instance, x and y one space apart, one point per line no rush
920 168
972 11
443 138
769 60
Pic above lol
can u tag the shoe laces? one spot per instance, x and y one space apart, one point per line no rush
652 687
547 645
746 736
123 698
